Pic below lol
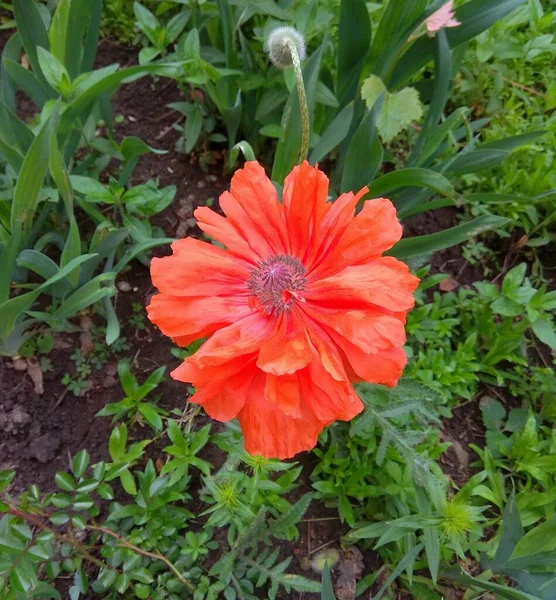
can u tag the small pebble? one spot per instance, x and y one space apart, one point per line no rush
124 286
19 364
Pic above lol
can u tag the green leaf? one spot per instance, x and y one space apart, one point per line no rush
363 156
424 244
31 177
412 177
175 26
274 131
117 443
406 561
28 82
334 134
501 591
65 481
139 248
398 21
128 482
92 31
327 590
80 463
493 414
477 160
133 146
14 131
512 532
193 127
514 278
147 22
54 71
515 141
112 322
544 330
59 518
32 32
354 41
151 416
86 295
22 578
142 575
443 72
246 150
398 109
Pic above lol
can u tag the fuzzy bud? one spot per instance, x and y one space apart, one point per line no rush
278 46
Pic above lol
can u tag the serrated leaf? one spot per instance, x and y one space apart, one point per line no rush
398 109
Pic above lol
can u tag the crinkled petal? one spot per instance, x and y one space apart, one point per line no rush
385 282
327 390
252 206
288 350
245 336
373 231
225 390
305 204
370 330
284 392
220 229
199 269
186 320
384 367
271 433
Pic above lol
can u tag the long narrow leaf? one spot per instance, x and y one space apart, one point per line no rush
327 590
354 41
13 130
406 561
396 180
12 51
501 591
364 153
85 296
334 134
443 72
93 32
28 82
31 177
423 244
33 34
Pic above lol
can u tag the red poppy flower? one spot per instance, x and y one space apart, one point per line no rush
300 304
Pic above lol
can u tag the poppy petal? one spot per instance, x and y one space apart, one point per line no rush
373 231
255 209
305 204
384 367
385 282
271 433
288 350
188 319
197 269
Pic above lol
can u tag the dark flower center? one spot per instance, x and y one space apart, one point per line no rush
276 283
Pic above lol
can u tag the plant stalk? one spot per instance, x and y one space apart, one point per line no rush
304 108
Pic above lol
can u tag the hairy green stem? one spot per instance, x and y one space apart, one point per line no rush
304 108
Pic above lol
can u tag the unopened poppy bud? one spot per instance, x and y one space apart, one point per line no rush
279 45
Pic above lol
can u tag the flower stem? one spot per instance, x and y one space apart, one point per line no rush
304 109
